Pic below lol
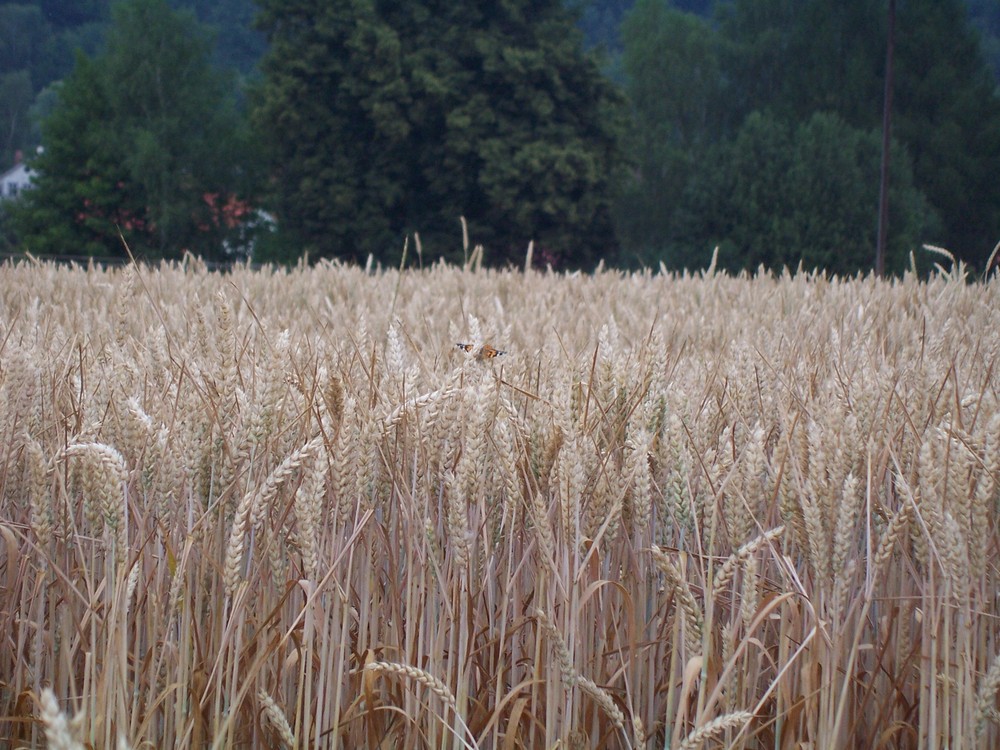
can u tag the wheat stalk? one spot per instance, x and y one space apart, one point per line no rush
682 591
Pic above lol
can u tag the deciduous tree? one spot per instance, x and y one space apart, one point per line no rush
674 84
787 61
779 194
146 140
797 58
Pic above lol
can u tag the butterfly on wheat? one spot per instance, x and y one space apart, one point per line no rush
485 352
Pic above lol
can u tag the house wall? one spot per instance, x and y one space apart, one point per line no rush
14 180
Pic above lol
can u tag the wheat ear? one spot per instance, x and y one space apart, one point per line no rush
276 718
685 599
55 723
986 699
717 726
433 684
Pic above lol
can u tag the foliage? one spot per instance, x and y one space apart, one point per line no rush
39 41
797 58
819 55
779 194
8 240
949 118
21 43
600 23
237 45
492 124
145 141
794 60
66 14
674 87
985 16
15 100
387 120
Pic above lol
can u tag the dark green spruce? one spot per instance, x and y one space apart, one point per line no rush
386 119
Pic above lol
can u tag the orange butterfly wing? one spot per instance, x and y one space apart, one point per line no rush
486 352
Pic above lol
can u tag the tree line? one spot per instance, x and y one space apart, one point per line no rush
38 40
759 131
748 125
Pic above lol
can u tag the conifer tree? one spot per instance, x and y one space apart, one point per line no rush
386 119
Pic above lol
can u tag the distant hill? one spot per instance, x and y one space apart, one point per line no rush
601 19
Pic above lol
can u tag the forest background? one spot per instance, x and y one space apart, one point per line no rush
634 132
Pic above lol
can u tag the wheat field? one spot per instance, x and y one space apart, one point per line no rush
274 508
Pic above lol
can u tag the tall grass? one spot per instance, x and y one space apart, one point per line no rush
283 509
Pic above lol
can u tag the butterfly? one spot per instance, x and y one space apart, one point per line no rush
486 352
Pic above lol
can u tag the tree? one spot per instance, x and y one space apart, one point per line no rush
777 194
23 31
144 140
35 39
600 21
392 118
15 101
65 14
238 45
985 16
797 57
673 82
948 115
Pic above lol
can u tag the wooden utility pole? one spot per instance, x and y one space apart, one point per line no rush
883 191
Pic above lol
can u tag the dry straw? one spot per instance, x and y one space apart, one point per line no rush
572 678
710 493
434 685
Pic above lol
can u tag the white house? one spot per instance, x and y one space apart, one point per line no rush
15 179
